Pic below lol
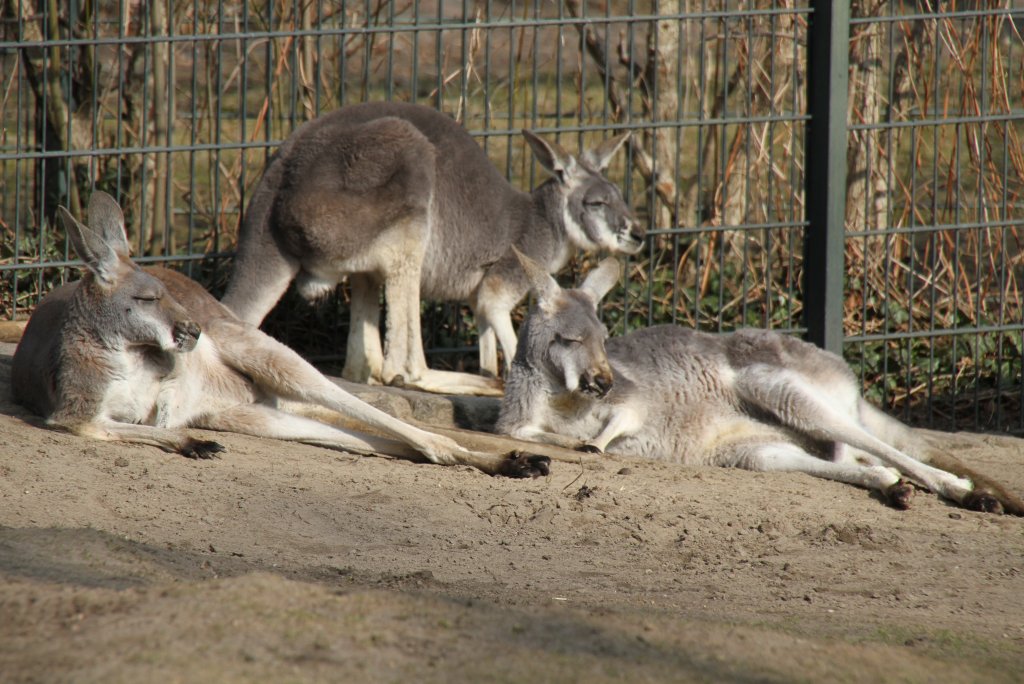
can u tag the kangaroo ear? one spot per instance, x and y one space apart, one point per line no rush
541 283
602 279
102 245
601 156
106 218
552 157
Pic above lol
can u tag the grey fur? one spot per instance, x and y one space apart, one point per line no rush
136 355
400 196
753 399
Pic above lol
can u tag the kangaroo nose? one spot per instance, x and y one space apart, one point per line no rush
637 233
596 383
186 335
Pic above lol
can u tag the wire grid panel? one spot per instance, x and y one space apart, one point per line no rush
933 212
175 107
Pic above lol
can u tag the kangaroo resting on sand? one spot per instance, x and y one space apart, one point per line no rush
400 196
751 399
136 355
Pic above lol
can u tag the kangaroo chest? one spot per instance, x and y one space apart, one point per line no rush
173 390
576 416
136 376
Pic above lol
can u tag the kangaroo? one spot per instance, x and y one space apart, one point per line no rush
400 196
752 399
133 355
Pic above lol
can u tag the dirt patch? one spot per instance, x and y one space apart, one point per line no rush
284 561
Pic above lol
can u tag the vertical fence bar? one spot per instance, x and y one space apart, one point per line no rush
828 54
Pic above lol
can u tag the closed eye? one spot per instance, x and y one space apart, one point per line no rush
146 298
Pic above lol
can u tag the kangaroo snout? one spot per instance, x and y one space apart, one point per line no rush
632 235
636 231
597 382
186 335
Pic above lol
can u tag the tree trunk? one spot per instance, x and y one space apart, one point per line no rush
866 157
161 237
663 80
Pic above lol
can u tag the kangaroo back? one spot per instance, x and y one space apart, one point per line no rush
33 373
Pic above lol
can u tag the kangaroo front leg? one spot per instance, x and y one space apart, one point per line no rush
176 441
501 324
623 421
533 434
786 457
796 403
492 306
496 329
364 357
488 346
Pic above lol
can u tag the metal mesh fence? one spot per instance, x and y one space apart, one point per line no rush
174 108
933 210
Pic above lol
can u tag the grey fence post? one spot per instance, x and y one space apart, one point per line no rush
828 54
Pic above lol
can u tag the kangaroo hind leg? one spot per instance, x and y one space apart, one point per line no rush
260 420
404 361
786 457
279 372
800 405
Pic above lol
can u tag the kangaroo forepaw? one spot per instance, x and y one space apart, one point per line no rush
589 449
520 465
899 495
982 501
201 449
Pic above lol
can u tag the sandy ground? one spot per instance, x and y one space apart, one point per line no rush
285 562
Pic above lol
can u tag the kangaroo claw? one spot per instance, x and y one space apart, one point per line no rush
520 465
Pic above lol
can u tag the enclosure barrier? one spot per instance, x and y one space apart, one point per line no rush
847 171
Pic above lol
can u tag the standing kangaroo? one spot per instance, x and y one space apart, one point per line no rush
401 196
752 399
136 355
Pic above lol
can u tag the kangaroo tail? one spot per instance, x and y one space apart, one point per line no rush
918 445
262 270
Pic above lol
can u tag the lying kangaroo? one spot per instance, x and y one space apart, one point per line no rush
400 196
752 399
136 356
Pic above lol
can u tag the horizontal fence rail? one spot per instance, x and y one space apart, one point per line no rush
893 238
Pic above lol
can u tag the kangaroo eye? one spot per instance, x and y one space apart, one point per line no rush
594 204
146 298
561 339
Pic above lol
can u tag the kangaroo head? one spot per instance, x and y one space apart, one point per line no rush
124 305
562 335
593 210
